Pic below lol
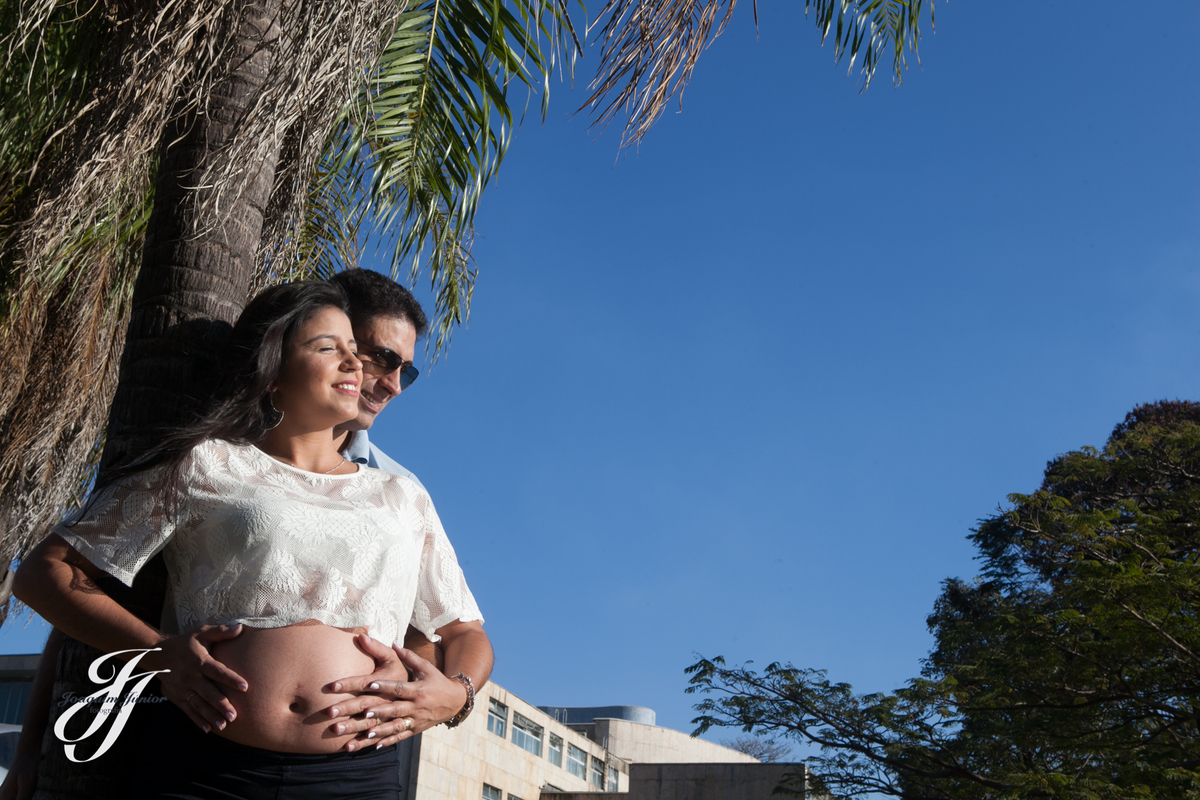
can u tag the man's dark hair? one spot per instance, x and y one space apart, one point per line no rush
374 295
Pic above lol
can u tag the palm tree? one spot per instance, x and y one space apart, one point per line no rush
158 163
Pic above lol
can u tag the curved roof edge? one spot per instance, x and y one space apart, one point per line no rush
581 715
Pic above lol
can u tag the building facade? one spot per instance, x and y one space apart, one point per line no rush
511 750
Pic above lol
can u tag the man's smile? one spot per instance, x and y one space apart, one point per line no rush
373 401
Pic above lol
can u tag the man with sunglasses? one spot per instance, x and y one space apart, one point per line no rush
387 322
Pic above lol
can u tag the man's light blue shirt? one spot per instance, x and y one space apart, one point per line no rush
361 451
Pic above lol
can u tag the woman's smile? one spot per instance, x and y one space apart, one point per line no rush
319 383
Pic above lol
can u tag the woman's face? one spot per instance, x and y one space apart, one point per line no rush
318 385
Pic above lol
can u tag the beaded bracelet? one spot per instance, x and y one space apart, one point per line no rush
465 680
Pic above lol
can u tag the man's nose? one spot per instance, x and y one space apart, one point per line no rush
391 382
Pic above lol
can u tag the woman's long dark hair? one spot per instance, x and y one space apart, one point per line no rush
240 409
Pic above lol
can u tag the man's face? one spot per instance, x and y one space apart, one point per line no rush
392 333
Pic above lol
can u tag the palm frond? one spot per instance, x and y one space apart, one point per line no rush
871 28
650 48
407 163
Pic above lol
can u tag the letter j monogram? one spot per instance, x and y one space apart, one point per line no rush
110 704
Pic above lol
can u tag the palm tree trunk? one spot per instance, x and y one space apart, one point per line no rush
195 276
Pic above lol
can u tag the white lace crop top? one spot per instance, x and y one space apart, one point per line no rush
249 539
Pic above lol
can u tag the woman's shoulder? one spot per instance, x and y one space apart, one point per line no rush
400 482
215 457
211 450
392 477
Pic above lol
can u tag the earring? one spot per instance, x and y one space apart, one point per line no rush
277 414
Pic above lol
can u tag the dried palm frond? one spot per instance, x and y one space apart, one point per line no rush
61 359
650 48
77 190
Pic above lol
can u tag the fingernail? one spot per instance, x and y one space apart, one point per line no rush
230 715
340 728
370 714
349 745
371 735
221 725
337 687
373 686
243 686
205 728
333 712
379 745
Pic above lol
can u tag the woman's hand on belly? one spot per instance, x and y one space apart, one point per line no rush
195 678
366 707
411 707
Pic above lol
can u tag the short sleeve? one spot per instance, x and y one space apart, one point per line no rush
125 524
442 593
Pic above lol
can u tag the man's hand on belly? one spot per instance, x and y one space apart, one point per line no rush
195 677
408 707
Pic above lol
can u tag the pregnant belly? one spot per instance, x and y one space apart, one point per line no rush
289 672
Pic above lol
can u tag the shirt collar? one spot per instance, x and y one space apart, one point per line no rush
358 451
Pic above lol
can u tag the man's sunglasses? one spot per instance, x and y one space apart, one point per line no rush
388 361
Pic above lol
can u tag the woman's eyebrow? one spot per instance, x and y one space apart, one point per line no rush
333 336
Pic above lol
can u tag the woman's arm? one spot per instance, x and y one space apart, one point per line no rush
60 584
429 699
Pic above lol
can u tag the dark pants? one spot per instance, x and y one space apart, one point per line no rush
177 760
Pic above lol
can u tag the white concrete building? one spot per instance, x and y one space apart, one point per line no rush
510 750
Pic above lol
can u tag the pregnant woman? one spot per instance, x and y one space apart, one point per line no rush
291 572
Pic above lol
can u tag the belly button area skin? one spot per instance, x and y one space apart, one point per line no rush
298 705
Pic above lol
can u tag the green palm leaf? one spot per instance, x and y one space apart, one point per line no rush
407 162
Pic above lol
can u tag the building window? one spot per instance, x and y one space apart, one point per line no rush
612 778
14 696
555 754
597 773
577 762
527 735
512 796
491 793
497 718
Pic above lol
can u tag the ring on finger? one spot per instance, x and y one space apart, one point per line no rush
408 723
189 699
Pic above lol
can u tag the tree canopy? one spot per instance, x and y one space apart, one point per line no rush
1070 668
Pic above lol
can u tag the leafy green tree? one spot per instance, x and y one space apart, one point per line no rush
1069 669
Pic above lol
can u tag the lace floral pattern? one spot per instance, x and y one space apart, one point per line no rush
249 539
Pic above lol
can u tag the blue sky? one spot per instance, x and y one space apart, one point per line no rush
746 390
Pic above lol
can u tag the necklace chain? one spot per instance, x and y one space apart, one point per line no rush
288 462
